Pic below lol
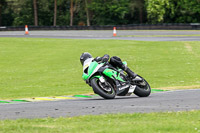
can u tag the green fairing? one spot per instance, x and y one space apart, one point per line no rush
93 65
85 76
98 76
110 73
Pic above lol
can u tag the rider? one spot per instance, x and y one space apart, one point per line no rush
114 61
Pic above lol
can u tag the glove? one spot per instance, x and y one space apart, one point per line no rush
98 59
105 58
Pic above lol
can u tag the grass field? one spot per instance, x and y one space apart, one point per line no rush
179 122
32 67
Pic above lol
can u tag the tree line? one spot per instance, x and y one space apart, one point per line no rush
97 12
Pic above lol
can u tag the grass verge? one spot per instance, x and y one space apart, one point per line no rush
32 67
180 87
176 122
159 35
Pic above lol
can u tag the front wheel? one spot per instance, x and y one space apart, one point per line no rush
143 88
104 90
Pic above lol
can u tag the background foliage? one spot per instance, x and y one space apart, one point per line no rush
98 12
173 11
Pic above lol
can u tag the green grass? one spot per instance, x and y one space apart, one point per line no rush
32 67
159 35
179 122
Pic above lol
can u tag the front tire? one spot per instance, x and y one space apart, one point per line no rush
143 88
98 89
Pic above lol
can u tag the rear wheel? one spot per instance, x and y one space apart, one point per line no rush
104 90
143 88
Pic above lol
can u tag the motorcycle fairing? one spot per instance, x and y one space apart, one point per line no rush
113 74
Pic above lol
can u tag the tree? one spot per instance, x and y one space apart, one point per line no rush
137 4
173 11
109 12
55 12
20 12
156 10
35 12
87 13
63 12
2 4
71 13
187 11
97 12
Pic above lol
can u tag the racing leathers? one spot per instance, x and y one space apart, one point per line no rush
116 62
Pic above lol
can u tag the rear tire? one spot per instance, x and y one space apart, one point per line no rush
95 83
142 90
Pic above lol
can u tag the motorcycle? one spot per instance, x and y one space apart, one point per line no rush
108 81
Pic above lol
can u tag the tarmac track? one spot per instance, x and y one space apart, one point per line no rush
140 35
183 100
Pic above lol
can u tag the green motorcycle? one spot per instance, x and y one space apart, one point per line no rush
108 81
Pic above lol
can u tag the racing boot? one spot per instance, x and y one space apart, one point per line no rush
130 73
133 75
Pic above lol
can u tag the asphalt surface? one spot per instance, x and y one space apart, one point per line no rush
143 35
183 100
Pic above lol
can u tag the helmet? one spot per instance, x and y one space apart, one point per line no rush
85 56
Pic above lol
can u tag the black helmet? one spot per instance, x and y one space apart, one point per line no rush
85 56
